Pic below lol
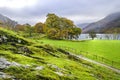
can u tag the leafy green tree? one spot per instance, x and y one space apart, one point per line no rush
70 33
92 34
29 29
66 23
77 32
64 34
52 21
53 33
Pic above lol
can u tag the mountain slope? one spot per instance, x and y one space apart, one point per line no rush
83 25
7 22
108 24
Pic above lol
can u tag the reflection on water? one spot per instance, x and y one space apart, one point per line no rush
101 36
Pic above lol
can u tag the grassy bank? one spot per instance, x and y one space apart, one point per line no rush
109 49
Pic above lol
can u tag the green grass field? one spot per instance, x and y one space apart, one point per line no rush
56 64
109 49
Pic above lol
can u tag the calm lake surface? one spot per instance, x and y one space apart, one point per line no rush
101 36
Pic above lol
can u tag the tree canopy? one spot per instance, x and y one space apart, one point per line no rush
39 27
55 27
64 28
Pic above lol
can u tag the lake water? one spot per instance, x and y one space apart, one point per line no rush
101 36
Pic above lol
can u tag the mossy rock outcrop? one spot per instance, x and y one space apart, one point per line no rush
10 36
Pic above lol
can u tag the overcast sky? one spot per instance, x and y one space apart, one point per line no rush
80 11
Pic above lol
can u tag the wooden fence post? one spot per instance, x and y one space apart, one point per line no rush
86 53
96 56
102 59
112 63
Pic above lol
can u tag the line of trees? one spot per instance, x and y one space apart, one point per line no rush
55 27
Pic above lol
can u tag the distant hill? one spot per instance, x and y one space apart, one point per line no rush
109 24
83 25
7 22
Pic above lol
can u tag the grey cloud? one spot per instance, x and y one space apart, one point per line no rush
95 8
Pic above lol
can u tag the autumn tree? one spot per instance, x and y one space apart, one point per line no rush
19 27
52 33
52 21
1 23
65 27
66 23
64 34
39 28
77 32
